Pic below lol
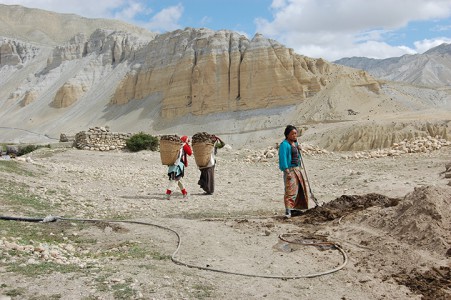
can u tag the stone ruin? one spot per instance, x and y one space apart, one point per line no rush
101 139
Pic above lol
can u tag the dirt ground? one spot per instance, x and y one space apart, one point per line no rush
382 230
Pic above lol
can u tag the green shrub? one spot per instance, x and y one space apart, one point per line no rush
22 150
142 141
26 149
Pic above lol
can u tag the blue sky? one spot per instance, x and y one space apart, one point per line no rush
330 29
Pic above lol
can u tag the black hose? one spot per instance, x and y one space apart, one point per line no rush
24 219
179 242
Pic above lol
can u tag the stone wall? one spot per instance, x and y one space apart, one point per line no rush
101 139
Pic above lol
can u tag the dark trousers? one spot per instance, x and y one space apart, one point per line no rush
207 179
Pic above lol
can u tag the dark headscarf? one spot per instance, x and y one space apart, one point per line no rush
288 129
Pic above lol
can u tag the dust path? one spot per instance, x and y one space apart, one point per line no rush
368 207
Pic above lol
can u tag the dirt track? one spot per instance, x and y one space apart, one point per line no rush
368 209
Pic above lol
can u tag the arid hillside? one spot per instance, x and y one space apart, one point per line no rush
194 80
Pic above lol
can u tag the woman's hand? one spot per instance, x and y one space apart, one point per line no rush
288 174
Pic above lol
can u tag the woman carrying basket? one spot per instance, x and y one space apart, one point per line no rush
207 173
177 170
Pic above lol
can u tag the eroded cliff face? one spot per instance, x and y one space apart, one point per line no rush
200 71
112 46
71 70
15 53
196 71
114 76
103 50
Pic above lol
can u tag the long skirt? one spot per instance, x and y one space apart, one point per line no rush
296 196
207 179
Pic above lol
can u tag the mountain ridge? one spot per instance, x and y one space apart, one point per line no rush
43 26
432 68
189 80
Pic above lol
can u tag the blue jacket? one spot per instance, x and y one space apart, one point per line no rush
285 156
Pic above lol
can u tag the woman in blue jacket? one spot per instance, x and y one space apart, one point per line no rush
295 197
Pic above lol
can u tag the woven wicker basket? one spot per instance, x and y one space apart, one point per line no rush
169 151
202 153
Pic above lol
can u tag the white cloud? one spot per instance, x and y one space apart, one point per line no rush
206 20
131 10
425 45
334 29
166 20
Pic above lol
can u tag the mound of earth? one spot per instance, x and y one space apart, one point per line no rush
417 231
346 204
432 284
422 218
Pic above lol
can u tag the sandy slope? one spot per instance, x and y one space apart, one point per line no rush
237 228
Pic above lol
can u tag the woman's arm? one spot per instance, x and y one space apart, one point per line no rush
284 156
218 142
187 149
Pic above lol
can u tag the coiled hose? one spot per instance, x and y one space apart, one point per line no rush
179 242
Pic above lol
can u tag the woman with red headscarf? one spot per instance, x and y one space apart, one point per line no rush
177 170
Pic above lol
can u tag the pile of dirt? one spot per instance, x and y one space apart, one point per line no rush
422 219
432 284
345 205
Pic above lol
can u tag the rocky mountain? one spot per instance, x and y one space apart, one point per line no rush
432 68
54 81
52 29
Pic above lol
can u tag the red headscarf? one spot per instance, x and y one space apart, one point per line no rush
186 149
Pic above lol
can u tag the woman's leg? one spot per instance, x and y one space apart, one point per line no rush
182 188
171 186
206 180
211 180
301 200
291 190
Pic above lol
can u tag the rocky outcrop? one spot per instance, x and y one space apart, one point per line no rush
16 53
74 49
29 97
200 71
68 94
112 47
102 50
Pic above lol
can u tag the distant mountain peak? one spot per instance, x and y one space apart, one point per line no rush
432 68
440 49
